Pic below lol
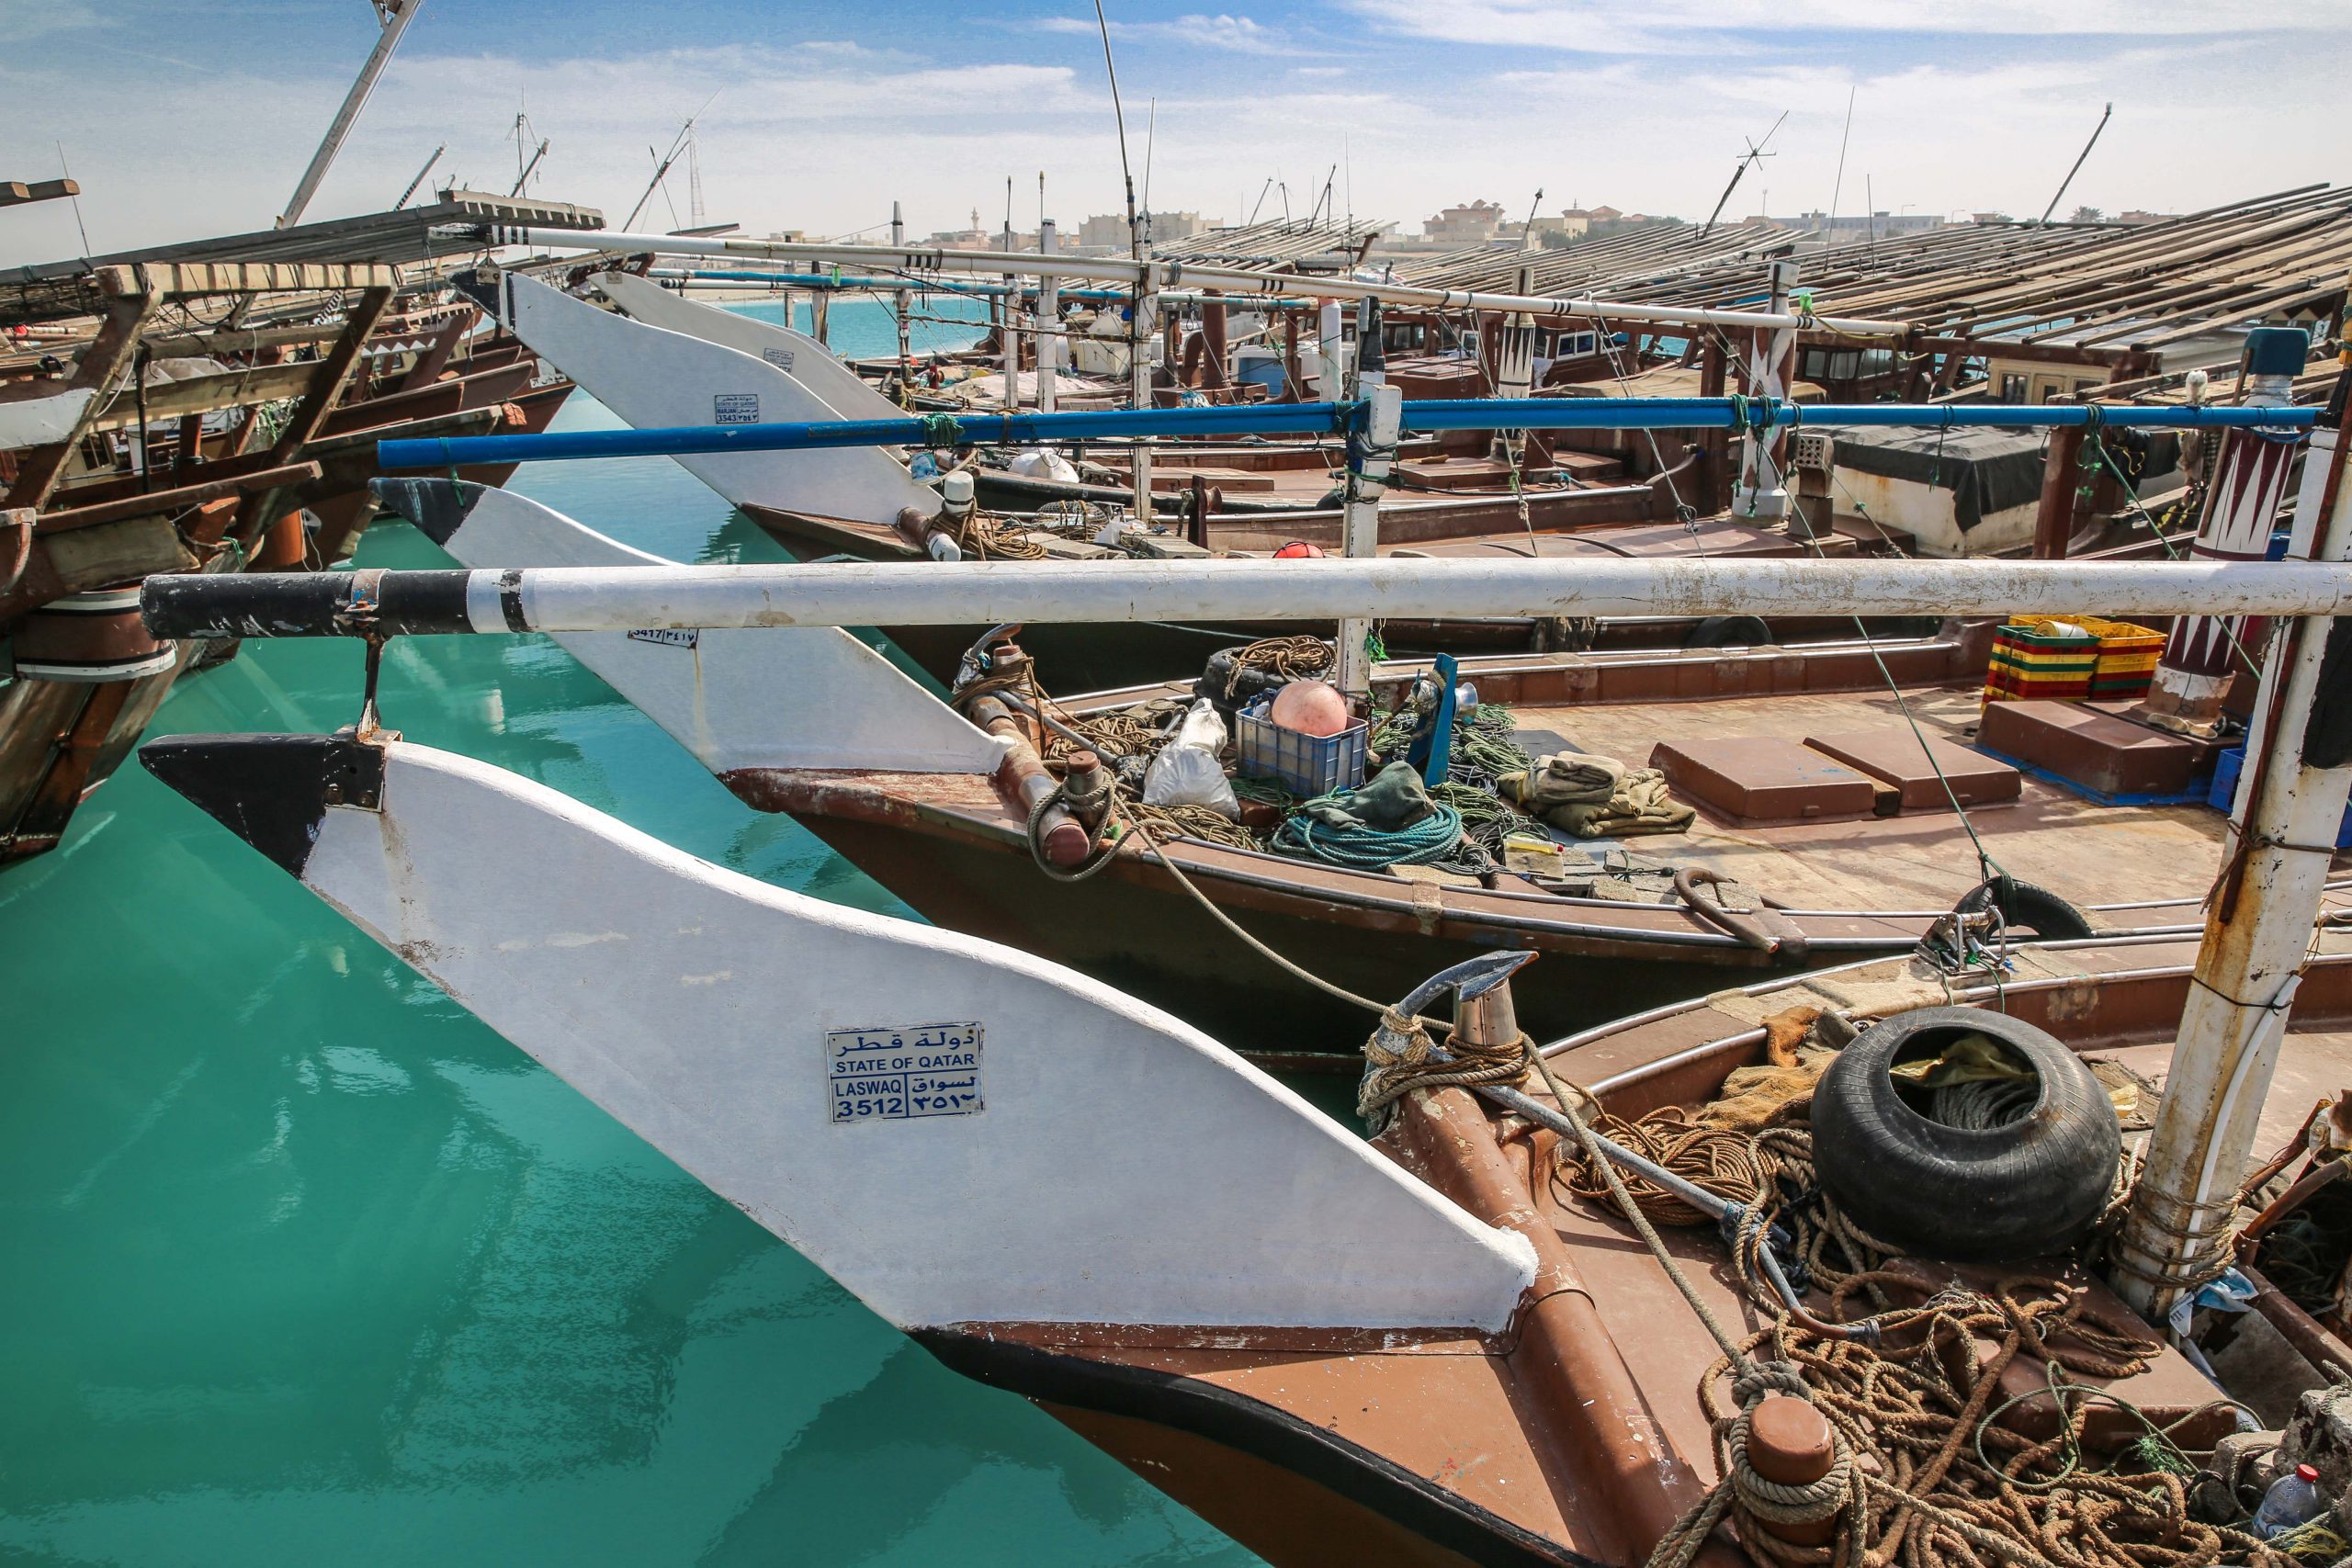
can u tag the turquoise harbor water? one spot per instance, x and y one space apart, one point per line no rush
302 1265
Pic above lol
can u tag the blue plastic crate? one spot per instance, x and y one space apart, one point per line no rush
1306 765
2225 789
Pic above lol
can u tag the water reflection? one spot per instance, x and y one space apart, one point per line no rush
306 1265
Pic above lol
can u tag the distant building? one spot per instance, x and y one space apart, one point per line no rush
1473 225
1846 227
2137 217
1108 231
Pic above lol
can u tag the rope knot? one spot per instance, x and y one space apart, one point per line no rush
1760 1378
941 429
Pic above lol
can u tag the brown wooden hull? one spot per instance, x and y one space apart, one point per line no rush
1295 1494
1145 935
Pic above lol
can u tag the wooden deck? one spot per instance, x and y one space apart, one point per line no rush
2084 851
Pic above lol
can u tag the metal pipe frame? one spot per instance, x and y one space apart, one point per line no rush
1426 415
591 599
1242 280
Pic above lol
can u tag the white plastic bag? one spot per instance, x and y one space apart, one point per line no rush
1186 772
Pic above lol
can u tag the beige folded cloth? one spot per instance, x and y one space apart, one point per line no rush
1641 804
1564 778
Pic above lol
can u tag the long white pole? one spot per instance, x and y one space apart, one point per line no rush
1370 455
387 40
1232 280
1050 322
2290 809
918 594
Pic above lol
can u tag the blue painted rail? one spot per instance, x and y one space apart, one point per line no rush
1301 419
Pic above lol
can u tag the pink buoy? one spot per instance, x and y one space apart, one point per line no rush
1310 708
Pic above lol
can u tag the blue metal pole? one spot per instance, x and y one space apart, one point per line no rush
1274 419
826 280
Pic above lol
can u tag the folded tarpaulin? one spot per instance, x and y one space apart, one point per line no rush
1986 471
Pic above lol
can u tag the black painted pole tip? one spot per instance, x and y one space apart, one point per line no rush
437 507
272 791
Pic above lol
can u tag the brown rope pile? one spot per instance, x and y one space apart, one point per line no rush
1141 731
984 537
1913 1411
1933 1482
1292 657
1719 1160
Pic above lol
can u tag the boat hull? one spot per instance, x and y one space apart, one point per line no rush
1133 928
1295 1494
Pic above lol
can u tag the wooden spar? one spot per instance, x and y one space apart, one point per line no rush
149 505
1234 280
396 16
2289 812
2062 475
41 468
15 193
918 594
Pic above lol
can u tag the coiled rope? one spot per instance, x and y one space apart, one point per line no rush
1365 848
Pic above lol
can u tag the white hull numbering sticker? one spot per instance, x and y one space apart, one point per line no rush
898 1073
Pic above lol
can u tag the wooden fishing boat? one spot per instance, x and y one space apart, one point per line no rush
1825 864
130 444
659 361
1429 1349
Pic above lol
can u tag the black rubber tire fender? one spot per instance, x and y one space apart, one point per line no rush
2032 1188
2028 906
1728 631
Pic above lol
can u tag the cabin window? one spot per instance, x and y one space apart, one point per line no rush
2012 388
1878 361
1578 344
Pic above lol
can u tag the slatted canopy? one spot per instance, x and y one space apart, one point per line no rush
1300 246
455 225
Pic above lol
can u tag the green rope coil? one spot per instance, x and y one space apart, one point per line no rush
1432 838
941 429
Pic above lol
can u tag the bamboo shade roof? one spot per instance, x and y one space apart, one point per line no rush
2091 285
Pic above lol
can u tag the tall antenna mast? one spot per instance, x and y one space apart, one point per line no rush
1139 373
1828 233
661 164
694 210
1755 155
2078 162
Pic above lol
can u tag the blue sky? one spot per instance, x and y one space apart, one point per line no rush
183 119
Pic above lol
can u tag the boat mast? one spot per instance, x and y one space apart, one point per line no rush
1146 295
2289 811
1372 449
1048 314
393 17
898 300
2078 169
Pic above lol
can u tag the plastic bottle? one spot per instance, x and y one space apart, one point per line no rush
1186 772
2293 1499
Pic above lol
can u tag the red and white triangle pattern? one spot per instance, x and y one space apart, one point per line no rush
2249 482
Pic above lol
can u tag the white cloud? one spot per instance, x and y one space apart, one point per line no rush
1600 26
22 20
1240 34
